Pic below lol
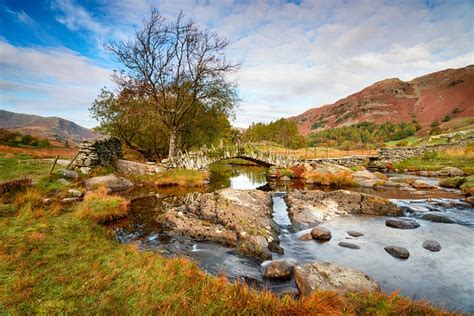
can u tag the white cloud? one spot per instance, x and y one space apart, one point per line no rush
49 81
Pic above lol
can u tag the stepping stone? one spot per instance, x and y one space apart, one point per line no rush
400 223
354 233
320 233
350 245
397 252
432 245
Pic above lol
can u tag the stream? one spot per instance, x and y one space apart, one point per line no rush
444 278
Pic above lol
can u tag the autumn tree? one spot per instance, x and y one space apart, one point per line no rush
176 66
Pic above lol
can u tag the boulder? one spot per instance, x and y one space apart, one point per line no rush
365 179
69 174
112 182
306 208
285 178
321 233
454 182
64 182
402 223
350 245
331 277
354 233
237 218
438 218
450 172
70 200
397 252
279 269
432 245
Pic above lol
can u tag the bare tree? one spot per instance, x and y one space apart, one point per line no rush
176 65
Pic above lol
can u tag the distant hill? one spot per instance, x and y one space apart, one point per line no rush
444 95
52 128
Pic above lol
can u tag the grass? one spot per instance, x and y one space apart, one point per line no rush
462 158
39 152
102 208
20 165
239 162
337 180
175 177
56 263
409 141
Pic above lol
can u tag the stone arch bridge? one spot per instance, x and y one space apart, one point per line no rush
201 159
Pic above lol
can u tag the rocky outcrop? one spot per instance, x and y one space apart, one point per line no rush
309 207
332 277
236 218
112 182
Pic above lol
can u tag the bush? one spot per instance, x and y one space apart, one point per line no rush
102 208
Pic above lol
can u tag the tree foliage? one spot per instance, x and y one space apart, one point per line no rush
178 69
282 131
132 119
363 135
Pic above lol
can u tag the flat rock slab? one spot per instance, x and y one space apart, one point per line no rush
332 277
397 252
438 218
402 223
432 245
307 208
350 245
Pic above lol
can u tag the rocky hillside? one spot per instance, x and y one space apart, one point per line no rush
52 128
431 97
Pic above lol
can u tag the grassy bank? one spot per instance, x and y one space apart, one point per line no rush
52 261
20 165
462 158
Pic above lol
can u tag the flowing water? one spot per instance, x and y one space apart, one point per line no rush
445 278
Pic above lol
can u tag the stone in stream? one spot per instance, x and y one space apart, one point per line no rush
432 245
397 252
436 218
306 208
418 184
331 277
321 233
450 172
402 223
306 237
348 245
354 233
279 269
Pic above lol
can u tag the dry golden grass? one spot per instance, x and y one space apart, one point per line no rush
29 202
176 177
337 180
39 152
101 208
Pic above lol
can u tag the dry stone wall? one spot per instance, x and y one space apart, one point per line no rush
103 151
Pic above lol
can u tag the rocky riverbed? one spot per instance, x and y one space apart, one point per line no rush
437 268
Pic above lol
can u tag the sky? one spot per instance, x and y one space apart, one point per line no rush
295 55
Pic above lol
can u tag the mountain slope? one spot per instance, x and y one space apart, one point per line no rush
53 128
427 98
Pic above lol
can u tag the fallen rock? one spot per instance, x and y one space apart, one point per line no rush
331 277
75 193
236 218
418 184
321 233
432 245
64 182
402 223
69 174
398 252
354 233
307 208
450 172
438 218
306 237
350 245
112 182
279 269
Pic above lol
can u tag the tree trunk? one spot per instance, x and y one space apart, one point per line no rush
173 144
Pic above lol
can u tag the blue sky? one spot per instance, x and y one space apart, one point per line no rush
295 55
